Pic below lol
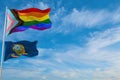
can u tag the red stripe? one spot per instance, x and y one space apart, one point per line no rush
33 10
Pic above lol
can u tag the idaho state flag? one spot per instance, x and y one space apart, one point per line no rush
21 48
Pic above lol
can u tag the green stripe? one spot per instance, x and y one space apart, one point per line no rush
36 22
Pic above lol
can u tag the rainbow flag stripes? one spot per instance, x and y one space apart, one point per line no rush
21 20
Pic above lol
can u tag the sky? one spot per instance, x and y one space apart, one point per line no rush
83 43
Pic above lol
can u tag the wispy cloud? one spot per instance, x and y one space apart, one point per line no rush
102 63
64 75
58 14
91 18
85 18
40 5
105 38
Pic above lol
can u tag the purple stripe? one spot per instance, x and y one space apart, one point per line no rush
41 26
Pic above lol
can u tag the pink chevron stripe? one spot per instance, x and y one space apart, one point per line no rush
11 22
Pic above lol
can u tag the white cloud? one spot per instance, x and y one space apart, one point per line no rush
42 5
86 18
116 16
61 75
67 22
105 38
56 19
59 13
105 62
91 18
23 74
26 6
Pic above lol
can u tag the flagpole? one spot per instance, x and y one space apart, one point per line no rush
3 43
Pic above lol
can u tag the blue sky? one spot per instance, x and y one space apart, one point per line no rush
83 43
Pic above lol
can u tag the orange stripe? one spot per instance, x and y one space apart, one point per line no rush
36 14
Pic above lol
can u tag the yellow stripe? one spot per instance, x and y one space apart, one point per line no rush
31 18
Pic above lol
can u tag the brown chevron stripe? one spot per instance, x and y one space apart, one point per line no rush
20 22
